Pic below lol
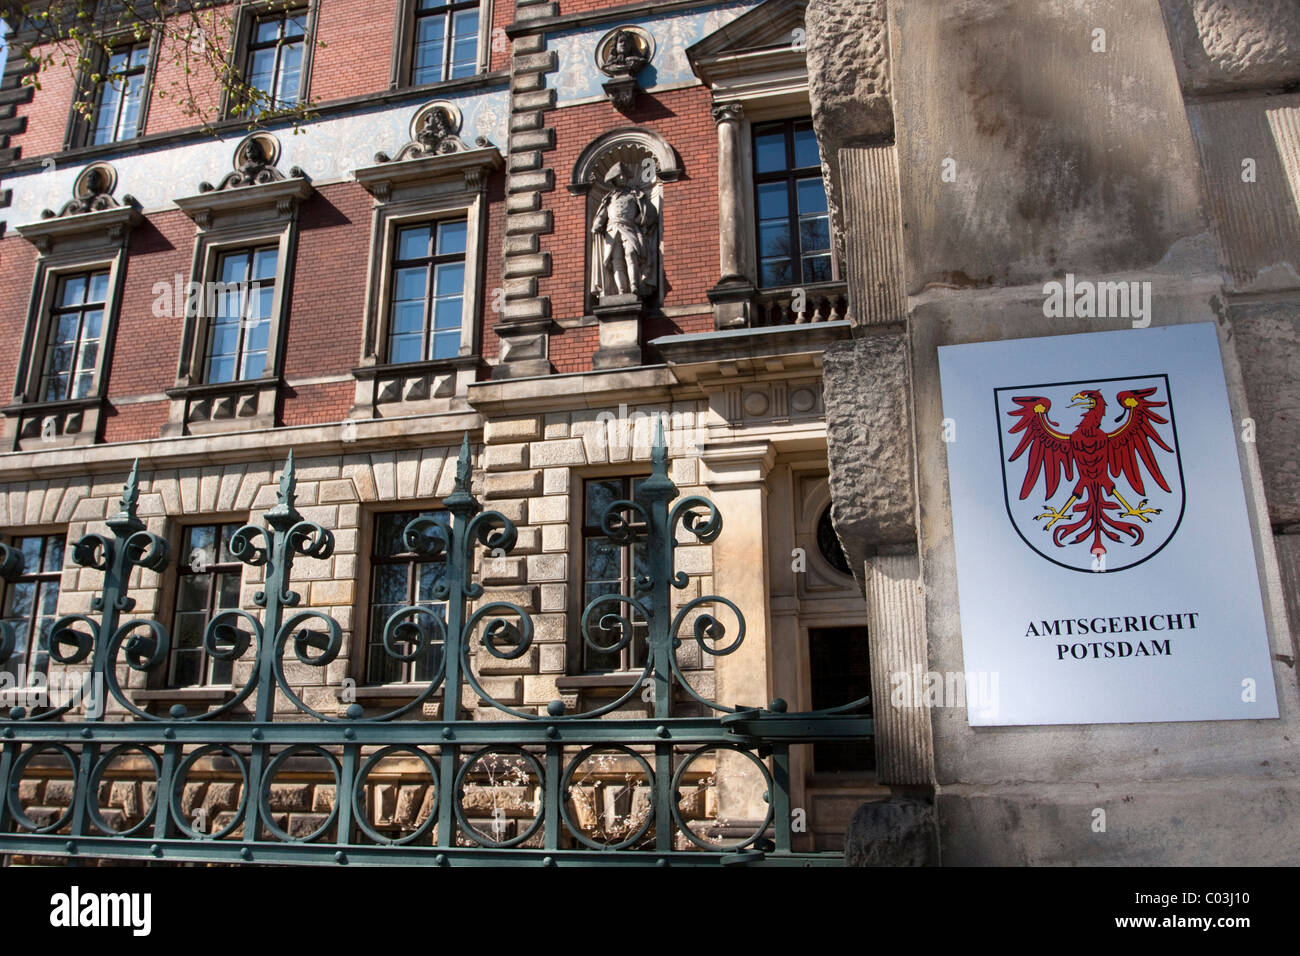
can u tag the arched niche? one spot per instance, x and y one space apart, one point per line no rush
622 174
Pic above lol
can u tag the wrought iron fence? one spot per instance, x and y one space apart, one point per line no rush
250 742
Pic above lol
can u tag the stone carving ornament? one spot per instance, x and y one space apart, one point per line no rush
435 131
255 164
92 192
625 237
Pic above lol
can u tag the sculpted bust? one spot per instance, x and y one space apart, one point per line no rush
624 56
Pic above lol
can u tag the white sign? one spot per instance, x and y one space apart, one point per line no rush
1104 557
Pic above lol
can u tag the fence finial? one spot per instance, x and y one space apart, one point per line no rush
126 516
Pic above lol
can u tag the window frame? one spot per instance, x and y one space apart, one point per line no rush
230 218
790 175
212 252
366 639
407 20
184 568
53 312
62 255
80 128
431 263
247 16
40 579
246 285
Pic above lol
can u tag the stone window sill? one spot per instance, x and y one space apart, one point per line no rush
581 682
376 693
181 695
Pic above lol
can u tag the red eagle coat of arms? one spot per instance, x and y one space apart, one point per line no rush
1096 484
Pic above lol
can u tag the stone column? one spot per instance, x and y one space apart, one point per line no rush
730 297
896 636
737 480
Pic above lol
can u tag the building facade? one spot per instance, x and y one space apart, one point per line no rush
545 226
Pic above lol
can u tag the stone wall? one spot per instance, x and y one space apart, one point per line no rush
1105 139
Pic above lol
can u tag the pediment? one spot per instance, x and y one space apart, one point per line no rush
769 27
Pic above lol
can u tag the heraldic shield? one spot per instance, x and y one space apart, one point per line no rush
1091 470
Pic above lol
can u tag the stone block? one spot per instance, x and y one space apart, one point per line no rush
869 443
553 597
543 62
513 484
552 659
542 180
528 222
549 510
555 537
512 429
547 567
542 139
502 570
562 452
555 481
538 264
506 457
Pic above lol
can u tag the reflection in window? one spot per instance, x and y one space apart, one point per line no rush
240 325
31 605
794 234
400 578
208 580
275 51
446 41
612 568
428 291
76 330
117 113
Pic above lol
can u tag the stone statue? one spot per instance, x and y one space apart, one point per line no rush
625 238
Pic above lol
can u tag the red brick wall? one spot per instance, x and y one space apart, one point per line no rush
47 112
355 50
147 349
583 6
503 13
323 336
17 265
490 345
134 422
314 404
172 86
353 57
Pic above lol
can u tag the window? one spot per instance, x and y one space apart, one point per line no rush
76 328
208 581
31 604
117 113
400 578
274 65
841 674
428 291
828 543
445 41
611 568
794 234
242 300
